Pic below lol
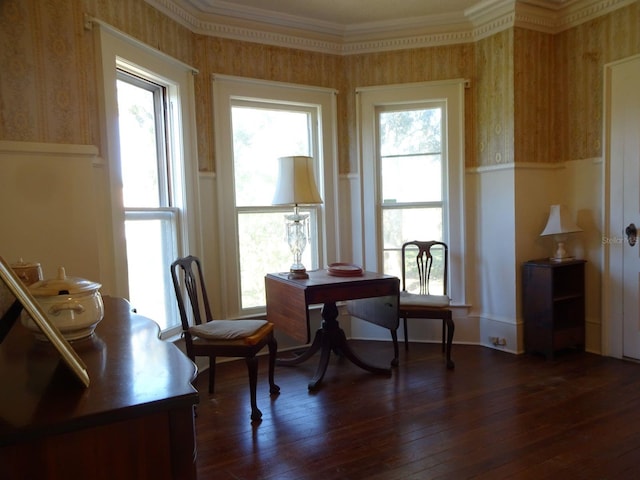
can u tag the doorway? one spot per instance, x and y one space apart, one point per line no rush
621 328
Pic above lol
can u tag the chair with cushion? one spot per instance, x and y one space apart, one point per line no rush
421 259
220 338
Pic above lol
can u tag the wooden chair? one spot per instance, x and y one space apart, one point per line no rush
428 255
220 338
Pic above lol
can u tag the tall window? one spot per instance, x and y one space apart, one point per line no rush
256 122
412 165
262 132
151 220
410 153
148 109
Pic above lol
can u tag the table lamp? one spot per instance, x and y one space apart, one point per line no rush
296 186
559 224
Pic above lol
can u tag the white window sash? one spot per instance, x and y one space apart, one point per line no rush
368 99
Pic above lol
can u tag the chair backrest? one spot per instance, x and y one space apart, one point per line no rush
428 255
188 271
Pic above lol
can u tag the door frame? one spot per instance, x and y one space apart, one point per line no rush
612 239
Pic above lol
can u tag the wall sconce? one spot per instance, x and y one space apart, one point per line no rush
296 186
559 225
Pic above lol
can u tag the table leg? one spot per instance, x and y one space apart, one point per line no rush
334 339
306 354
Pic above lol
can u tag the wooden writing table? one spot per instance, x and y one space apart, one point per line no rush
288 302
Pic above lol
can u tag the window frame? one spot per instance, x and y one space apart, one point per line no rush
122 52
368 101
226 90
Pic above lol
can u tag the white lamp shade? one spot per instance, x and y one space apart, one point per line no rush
296 182
559 222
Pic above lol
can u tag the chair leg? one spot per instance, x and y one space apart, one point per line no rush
450 329
212 374
273 351
406 335
394 338
444 331
252 367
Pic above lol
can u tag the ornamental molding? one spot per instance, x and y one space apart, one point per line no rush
480 21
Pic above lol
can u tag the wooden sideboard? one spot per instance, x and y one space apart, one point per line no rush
134 421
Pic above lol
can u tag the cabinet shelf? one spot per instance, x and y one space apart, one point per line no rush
565 298
553 305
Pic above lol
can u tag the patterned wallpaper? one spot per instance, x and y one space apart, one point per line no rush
44 94
534 129
494 62
533 97
48 84
580 54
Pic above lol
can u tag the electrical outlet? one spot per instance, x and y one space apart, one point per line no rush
498 341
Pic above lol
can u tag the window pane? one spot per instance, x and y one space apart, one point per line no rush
260 136
263 249
149 244
138 146
392 261
410 132
411 173
411 179
405 224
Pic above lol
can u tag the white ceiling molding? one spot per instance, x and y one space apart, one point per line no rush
585 10
482 20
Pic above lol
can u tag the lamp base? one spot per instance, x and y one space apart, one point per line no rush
561 259
560 254
297 274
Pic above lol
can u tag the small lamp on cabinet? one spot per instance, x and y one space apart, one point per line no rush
559 225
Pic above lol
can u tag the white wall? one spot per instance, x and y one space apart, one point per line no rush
492 279
51 207
55 211
583 186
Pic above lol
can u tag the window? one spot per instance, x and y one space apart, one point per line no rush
255 123
411 176
262 132
148 110
151 221
412 166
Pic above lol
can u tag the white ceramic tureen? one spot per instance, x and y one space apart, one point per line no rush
72 304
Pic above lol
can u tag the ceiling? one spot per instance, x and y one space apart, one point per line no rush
336 14
352 26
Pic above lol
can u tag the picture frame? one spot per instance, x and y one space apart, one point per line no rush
14 286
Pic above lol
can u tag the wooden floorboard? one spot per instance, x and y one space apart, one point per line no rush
495 416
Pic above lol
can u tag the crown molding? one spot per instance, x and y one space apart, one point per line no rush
484 19
585 10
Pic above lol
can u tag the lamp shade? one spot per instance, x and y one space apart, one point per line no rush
296 182
559 222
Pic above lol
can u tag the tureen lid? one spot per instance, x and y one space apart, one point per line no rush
63 285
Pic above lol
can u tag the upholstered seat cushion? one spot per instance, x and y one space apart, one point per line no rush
415 300
231 330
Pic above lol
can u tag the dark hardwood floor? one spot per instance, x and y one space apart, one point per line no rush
497 415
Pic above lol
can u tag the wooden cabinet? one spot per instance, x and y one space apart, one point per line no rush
553 305
135 420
